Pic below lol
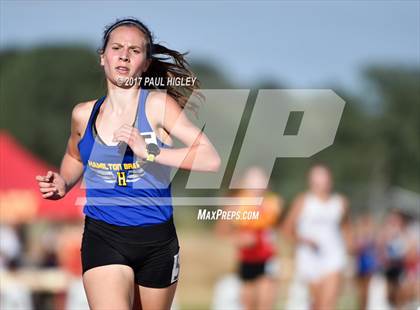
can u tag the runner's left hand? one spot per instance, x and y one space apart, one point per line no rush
133 138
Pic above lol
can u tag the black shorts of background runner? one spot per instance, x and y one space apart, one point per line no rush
251 271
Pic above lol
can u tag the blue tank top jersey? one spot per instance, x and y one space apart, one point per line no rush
121 189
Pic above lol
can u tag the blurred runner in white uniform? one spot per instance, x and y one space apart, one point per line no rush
320 222
316 222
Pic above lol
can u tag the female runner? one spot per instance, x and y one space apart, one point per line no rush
318 222
121 144
255 239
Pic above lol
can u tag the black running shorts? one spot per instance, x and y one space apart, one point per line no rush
151 251
252 271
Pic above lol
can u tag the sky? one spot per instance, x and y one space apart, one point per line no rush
301 44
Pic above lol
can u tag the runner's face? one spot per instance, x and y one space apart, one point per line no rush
125 54
320 180
255 178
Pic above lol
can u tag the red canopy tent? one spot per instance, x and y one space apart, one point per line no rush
20 198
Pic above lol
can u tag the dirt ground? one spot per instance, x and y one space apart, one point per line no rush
205 258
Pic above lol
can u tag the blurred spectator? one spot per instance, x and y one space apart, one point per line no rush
10 246
399 254
69 259
13 294
49 248
411 284
366 256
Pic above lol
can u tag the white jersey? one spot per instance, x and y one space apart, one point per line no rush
320 221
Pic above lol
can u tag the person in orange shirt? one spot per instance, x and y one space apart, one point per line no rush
253 233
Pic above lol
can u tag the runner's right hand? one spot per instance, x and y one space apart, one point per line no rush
52 186
312 244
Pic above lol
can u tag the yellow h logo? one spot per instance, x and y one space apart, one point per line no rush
121 178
